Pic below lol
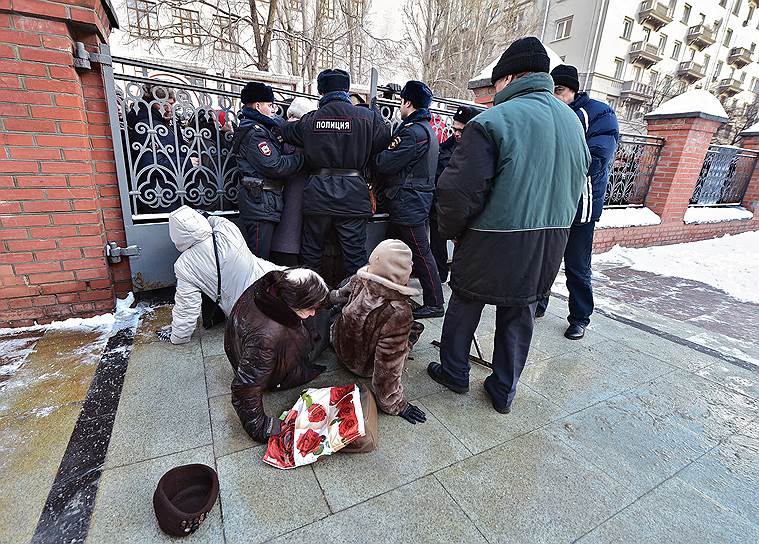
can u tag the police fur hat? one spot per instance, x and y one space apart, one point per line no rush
523 55
566 76
255 91
184 497
465 114
333 79
417 93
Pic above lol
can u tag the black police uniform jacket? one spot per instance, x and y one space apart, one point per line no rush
338 136
264 168
409 166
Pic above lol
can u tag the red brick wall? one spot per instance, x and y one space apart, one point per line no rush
751 199
58 189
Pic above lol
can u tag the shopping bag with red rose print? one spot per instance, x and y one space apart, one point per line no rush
322 422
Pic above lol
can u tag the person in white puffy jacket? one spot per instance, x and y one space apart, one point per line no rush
195 268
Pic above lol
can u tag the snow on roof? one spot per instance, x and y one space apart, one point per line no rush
694 101
753 129
487 72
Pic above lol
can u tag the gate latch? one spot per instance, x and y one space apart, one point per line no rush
115 253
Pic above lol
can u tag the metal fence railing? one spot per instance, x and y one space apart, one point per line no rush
724 176
632 170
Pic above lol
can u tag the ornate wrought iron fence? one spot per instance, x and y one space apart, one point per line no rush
724 176
632 170
176 131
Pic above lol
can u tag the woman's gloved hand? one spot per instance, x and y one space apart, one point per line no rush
339 297
413 414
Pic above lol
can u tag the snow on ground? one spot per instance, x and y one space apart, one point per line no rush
627 217
729 263
698 214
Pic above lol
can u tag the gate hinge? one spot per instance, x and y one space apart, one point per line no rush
83 59
115 253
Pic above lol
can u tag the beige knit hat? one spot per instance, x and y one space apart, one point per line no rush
390 265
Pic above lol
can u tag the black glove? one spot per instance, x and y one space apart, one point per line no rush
275 427
339 297
413 414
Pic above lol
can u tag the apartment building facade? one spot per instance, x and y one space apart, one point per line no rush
636 54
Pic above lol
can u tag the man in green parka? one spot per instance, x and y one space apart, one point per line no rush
508 198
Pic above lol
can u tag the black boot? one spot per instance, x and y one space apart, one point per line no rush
435 370
426 312
539 313
497 406
574 331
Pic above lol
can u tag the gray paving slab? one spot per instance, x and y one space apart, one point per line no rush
123 510
212 340
629 443
163 407
261 502
738 379
228 433
405 453
692 402
219 375
548 336
674 513
729 474
533 489
472 419
420 512
629 362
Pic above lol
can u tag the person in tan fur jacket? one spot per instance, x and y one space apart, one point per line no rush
375 330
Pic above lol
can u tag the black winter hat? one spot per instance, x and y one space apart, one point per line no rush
184 497
417 93
333 80
255 91
523 55
465 114
566 76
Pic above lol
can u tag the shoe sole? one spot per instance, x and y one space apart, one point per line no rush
574 337
455 389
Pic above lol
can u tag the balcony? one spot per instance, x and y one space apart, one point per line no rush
635 91
701 37
690 71
729 87
739 57
654 14
644 53
753 4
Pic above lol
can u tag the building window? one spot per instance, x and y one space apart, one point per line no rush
619 68
743 77
328 9
637 73
662 44
326 58
676 50
755 85
722 3
686 14
228 36
627 28
563 28
749 16
646 34
728 37
188 26
753 48
357 9
707 60
737 8
143 18
654 78
717 70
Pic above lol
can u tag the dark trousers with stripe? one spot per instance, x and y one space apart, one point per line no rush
511 344
425 268
351 233
258 235
577 267
439 247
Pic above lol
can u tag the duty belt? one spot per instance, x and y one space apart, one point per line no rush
273 186
337 172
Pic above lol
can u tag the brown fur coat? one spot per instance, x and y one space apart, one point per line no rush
371 337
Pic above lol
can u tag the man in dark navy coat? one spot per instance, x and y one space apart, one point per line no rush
602 135
408 167
339 142
264 168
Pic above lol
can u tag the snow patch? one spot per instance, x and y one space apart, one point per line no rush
729 263
698 214
693 101
753 129
627 217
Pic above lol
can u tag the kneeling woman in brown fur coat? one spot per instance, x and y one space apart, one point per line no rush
371 333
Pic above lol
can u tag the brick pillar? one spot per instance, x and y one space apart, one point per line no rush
687 137
58 190
750 140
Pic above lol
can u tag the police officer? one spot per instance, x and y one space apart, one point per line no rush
409 165
263 167
339 142
438 244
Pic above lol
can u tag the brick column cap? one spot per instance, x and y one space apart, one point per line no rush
696 103
753 130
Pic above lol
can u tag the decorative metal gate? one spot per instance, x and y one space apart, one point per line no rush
724 176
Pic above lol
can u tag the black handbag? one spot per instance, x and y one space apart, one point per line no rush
210 310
